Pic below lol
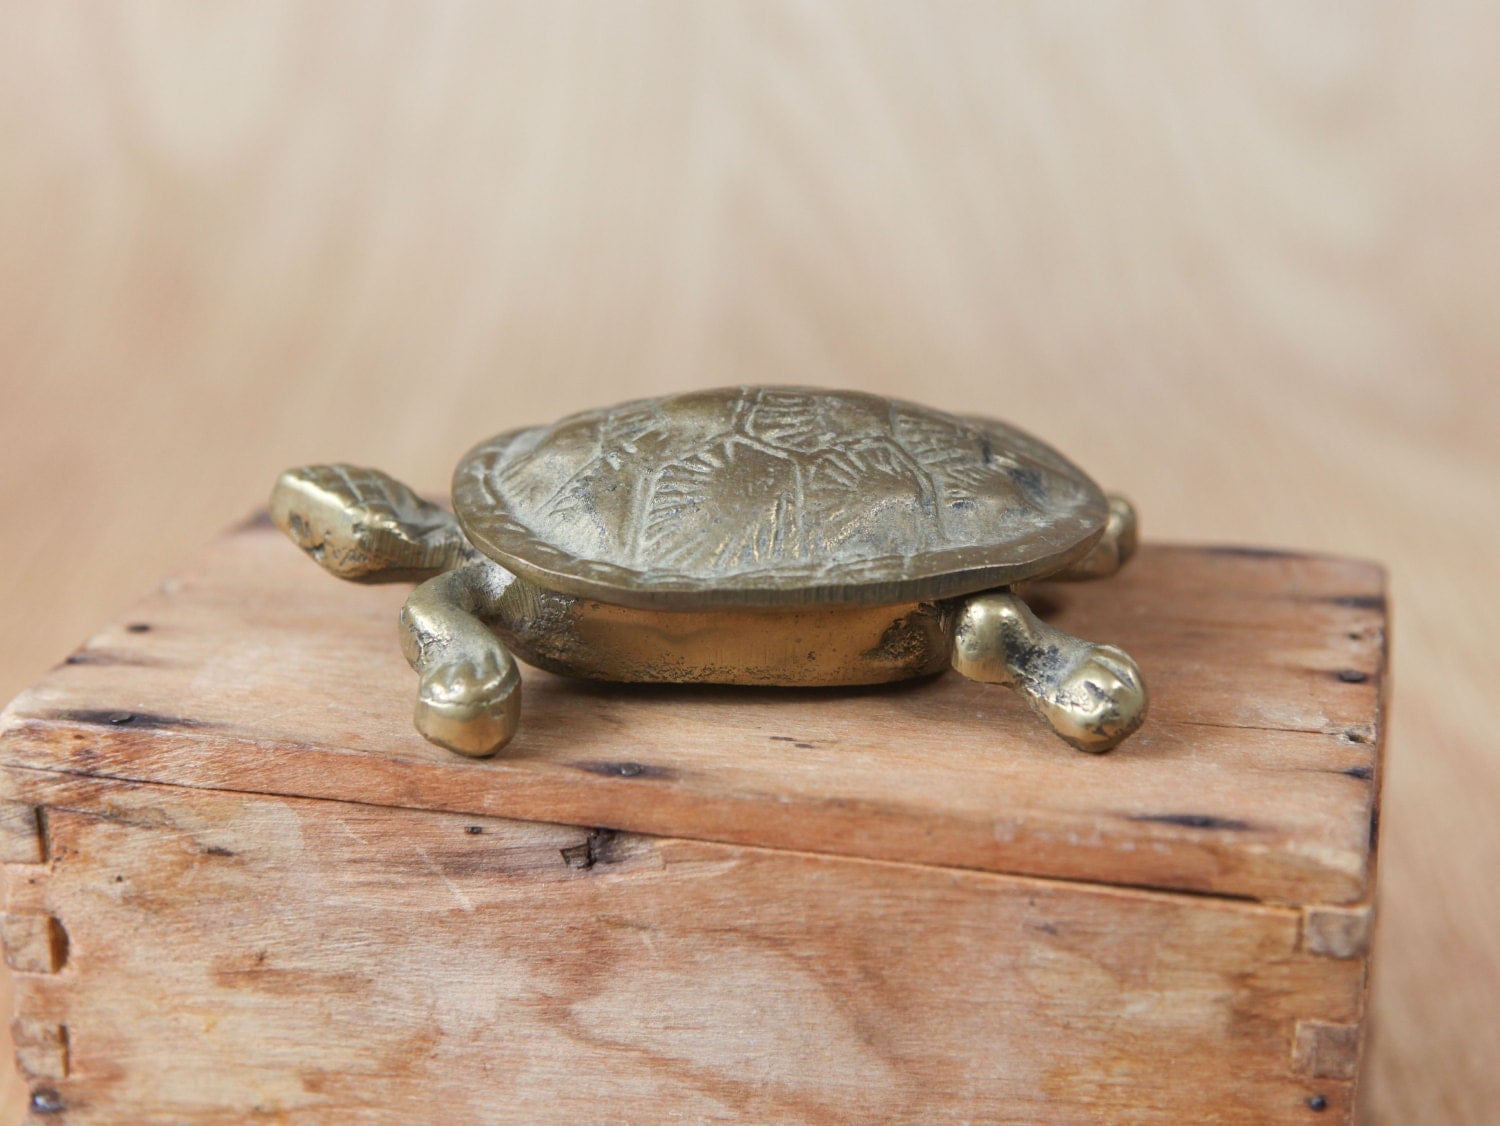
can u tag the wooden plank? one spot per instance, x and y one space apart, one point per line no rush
337 962
1254 775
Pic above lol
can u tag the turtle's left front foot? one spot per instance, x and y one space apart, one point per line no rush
1092 695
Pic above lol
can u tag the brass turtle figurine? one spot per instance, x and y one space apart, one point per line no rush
747 535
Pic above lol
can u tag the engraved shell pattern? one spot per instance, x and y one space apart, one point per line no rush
775 496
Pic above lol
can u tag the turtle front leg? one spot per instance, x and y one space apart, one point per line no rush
469 699
365 526
1092 695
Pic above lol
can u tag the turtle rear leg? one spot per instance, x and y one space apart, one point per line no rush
1091 695
469 698
1114 549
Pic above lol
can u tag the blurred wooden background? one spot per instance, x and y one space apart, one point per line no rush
1241 259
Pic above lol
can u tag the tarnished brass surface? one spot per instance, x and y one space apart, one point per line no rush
791 646
364 526
1092 695
775 496
469 696
1114 549
771 536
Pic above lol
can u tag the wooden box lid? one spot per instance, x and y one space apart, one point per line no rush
1254 776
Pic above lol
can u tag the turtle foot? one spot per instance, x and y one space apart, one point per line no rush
469 697
471 704
1097 702
1092 695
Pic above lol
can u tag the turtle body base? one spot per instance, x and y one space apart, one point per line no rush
825 646
469 700
1091 695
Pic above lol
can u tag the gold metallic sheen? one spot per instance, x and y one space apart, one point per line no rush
469 695
795 646
1112 551
768 536
775 496
1092 695
364 526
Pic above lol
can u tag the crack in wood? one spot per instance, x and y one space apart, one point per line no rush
121 717
1193 821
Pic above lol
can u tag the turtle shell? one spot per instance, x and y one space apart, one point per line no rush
774 496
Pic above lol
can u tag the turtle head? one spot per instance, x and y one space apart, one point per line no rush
365 526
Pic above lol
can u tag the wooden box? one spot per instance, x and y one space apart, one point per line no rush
241 887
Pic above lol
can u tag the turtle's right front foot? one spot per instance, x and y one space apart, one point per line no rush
469 699
470 703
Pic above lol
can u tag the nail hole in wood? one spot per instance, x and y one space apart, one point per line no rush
45 1100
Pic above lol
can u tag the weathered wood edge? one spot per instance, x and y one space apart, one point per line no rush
35 794
1070 847
35 949
1362 929
1336 928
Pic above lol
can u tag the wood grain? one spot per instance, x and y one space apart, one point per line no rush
151 752
1238 259
1256 774
331 962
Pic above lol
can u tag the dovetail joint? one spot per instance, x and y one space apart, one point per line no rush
42 1048
34 943
1337 932
1322 1050
23 834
